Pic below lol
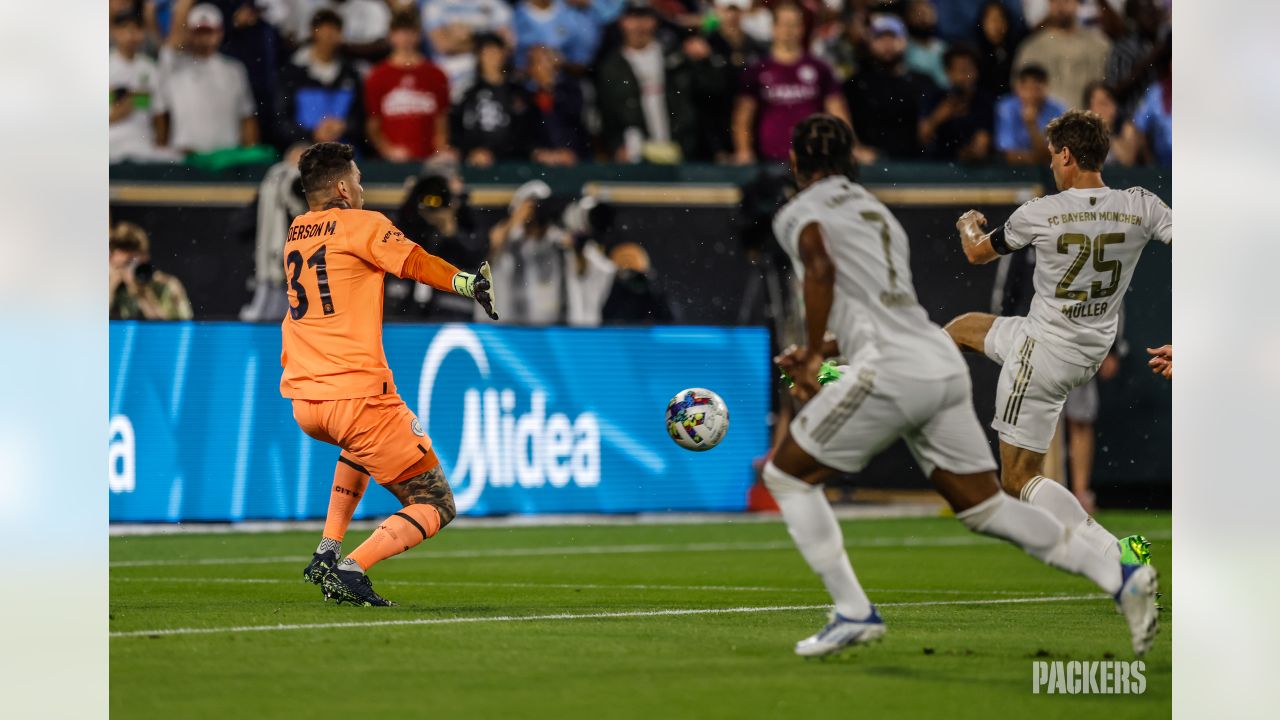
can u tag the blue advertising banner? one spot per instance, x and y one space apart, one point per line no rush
524 420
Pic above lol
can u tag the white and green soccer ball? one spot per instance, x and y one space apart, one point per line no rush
697 419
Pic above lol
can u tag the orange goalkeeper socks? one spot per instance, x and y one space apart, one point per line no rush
405 529
349 483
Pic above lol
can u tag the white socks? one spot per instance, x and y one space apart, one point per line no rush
1043 537
813 526
1058 501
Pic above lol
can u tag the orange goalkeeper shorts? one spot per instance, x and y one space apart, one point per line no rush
378 432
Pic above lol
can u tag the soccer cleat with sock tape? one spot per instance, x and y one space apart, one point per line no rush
352 586
321 563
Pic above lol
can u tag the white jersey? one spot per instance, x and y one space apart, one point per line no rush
1087 244
875 317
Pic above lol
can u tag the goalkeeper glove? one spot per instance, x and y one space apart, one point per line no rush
478 287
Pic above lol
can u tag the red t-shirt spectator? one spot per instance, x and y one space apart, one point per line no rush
408 101
785 95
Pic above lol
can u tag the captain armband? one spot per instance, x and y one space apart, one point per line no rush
998 242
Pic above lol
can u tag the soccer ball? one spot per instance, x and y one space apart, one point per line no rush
697 419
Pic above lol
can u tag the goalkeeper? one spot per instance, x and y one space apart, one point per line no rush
336 257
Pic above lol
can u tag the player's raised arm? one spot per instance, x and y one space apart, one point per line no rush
977 244
420 265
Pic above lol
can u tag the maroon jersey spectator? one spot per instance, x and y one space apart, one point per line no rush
780 91
407 99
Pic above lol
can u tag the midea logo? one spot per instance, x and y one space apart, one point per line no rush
499 448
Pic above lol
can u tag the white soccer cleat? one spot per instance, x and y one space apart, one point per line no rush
840 632
1137 601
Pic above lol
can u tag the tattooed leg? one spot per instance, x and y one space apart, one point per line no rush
429 488
428 506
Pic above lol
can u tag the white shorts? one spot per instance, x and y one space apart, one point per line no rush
1033 385
854 418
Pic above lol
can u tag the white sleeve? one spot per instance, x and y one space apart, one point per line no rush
1020 228
1160 221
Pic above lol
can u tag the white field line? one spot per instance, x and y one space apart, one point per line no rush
569 616
868 542
570 586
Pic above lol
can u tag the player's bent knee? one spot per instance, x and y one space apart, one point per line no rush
969 331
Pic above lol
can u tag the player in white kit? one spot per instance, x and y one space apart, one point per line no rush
904 378
1088 239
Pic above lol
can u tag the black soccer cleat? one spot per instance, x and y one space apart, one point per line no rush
352 587
320 565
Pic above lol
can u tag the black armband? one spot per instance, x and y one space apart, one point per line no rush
998 242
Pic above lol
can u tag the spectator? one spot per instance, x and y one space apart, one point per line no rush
365 24
649 101
729 42
635 296
1131 67
1073 56
1021 117
280 199
924 48
320 89
562 130
250 38
134 80
844 51
451 27
204 104
886 99
958 18
997 42
533 256
436 216
732 51
406 98
959 125
779 91
1154 116
1126 141
559 27
136 289
495 121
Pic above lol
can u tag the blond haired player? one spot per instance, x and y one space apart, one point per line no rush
336 256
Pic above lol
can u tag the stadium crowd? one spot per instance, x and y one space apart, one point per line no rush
558 82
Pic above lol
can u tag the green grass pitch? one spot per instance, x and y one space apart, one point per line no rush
624 632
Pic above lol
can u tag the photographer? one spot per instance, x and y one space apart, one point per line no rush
435 214
280 199
548 255
136 290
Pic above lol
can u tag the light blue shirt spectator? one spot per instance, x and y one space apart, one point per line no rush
601 12
1155 121
1011 133
559 27
926 59
479 15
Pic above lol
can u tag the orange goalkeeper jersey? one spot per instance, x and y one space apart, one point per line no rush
334 264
